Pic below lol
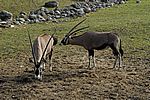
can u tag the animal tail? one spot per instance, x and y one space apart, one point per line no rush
120 49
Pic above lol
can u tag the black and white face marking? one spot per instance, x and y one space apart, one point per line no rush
65 40
38 71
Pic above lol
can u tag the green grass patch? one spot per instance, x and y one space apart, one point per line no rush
131 21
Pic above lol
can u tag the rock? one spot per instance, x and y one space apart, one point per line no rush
113 1
113 96
40 18
43 14
80 12
51 4
6 16
119 1
32 16
57 12
76 5
22 15
134 98
6 19
20 20
49 18
104 1
87 9
16 22
4 24
138 1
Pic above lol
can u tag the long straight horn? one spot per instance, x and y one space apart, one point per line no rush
79 29
32 49
46 47
76 26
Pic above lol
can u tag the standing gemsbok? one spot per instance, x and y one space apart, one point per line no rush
41 49
95 41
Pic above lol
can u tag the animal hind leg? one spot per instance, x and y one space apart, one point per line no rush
94 64
116 54
121 55
117 58
89 61
91 54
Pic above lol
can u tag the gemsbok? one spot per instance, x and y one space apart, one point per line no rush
95 41
41 49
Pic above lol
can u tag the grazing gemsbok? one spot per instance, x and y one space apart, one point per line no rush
41 49
95 41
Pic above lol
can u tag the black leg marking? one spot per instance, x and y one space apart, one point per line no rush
91 53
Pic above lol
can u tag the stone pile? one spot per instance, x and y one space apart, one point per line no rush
43 14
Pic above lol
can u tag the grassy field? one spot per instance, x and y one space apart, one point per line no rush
70 79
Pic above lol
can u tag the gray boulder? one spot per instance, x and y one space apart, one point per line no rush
23 15
32 16
138 1
41 18
104 1
80 12
87 9
6 16
51 4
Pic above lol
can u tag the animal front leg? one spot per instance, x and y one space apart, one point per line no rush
50 61
94 64
120 61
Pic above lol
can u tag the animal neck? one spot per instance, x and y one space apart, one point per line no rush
76 41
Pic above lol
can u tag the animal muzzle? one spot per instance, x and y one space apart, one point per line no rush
38 74
39 77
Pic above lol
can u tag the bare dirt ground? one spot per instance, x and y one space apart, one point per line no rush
71 80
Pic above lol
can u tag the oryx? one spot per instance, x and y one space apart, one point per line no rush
41 49
95 41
